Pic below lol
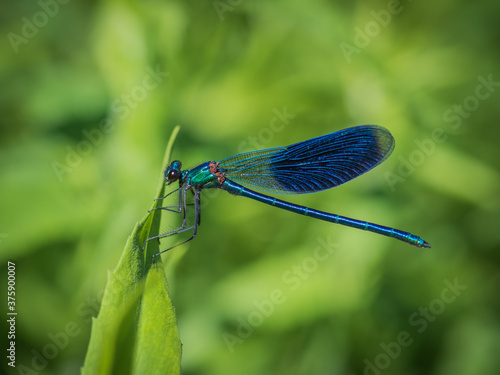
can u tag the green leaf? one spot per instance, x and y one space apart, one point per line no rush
136 329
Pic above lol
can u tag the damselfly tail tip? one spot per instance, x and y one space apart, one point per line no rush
426 244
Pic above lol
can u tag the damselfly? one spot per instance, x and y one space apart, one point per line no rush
306 167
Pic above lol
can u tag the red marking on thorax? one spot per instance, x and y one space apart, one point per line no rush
220 177
214 168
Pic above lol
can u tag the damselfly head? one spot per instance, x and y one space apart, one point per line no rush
173 171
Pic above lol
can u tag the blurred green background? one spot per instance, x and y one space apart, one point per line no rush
90 93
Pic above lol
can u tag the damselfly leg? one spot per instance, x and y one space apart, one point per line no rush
181 208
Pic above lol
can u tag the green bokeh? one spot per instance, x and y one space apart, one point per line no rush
90 94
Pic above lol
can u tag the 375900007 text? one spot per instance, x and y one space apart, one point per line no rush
11 314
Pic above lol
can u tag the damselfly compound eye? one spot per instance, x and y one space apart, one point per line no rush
173 175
